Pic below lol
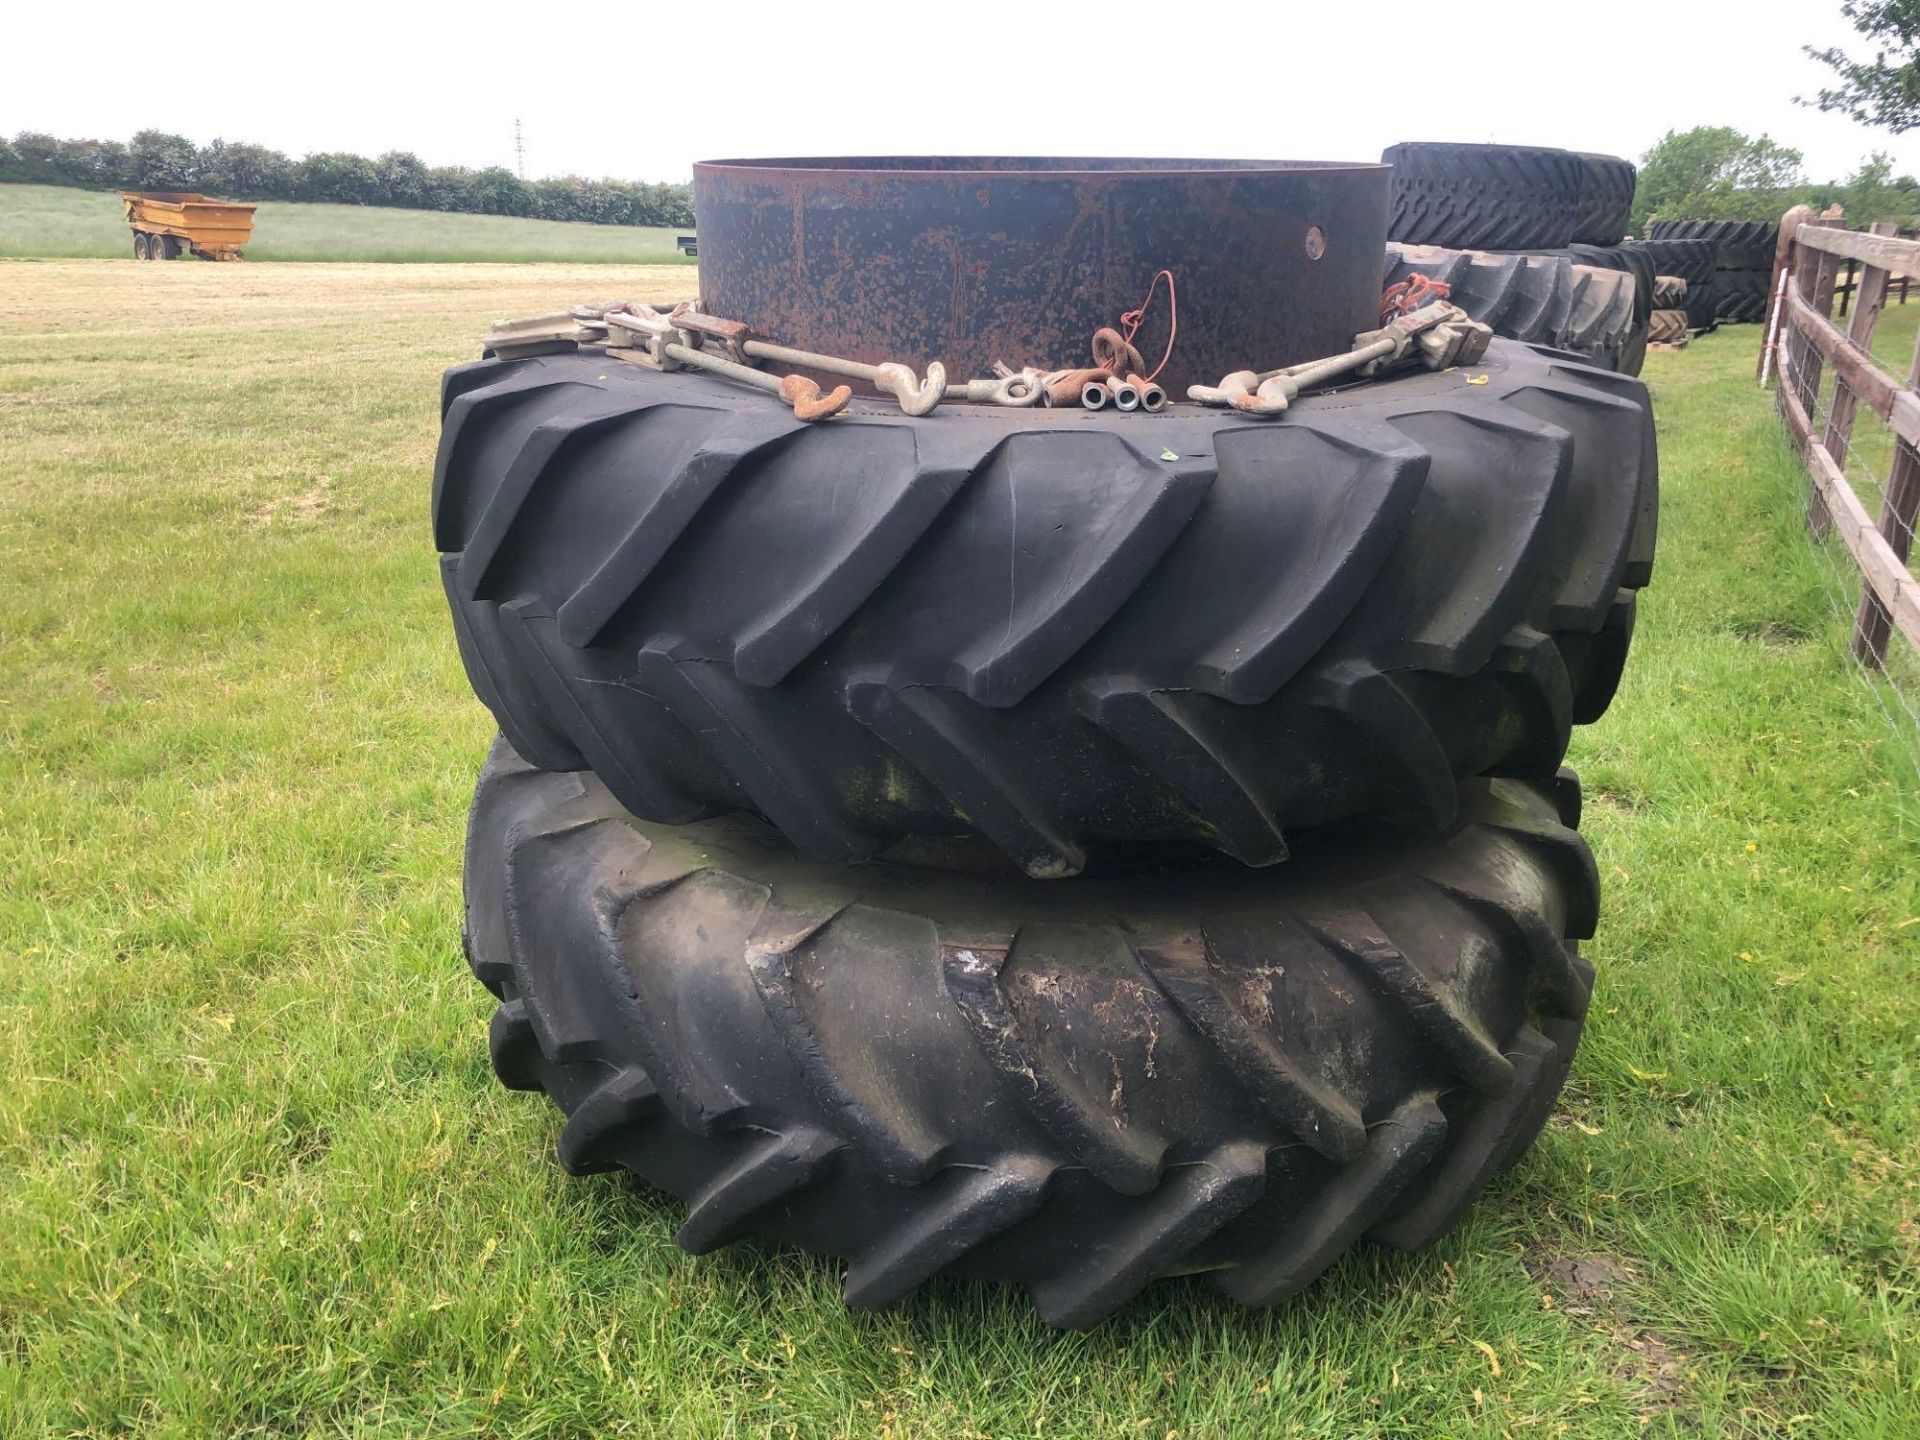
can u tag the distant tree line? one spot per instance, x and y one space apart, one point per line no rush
154 160
1714 172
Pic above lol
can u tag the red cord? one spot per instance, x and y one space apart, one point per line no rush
1130 321
1410 294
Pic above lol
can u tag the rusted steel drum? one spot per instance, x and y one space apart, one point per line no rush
970 261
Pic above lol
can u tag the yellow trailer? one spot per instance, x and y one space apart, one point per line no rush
165 222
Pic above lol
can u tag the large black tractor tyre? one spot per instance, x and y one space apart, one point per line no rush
1544 299
1520 296
1606 198
1629 259
1743 244
1075 1087
1640 267
1668 327
1076 634
1633 354
1740 297
1702 304
1602 321
1693 260
1484 197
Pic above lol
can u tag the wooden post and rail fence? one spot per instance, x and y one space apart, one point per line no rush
1807 265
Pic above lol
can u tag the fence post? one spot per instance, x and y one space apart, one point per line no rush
1872 298
1814 272
1773 333
1899 509
1805 339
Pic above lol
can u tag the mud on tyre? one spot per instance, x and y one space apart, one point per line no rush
1076 1087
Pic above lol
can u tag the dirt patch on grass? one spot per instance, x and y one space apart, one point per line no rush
1621 799
1772 633
1586 1283
294 507
1594 1288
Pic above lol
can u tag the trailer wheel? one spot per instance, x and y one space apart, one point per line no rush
1074 1087
165 247
142 247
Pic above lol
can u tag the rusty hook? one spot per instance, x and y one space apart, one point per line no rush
807 401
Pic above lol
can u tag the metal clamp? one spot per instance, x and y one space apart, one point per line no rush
541 335
645 336
1438 335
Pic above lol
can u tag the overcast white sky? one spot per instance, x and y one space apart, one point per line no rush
642 90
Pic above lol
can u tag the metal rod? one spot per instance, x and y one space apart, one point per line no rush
801 393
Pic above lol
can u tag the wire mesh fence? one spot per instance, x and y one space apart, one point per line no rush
1867 449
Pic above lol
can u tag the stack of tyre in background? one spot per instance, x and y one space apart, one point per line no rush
1742 265
1049 846
1669 324
1536 226
1696 260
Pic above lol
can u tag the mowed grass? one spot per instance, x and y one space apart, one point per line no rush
256 1177
54 222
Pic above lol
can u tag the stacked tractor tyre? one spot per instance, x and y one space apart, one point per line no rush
1743 254
1055 847
1522 229
1668 324
1545 299
1696 260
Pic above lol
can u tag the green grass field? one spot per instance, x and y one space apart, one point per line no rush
256 1177
54 222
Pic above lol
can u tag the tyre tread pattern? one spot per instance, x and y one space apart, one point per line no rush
625 954
1742 244
1541 299
1484 197
1041 633
1606 198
